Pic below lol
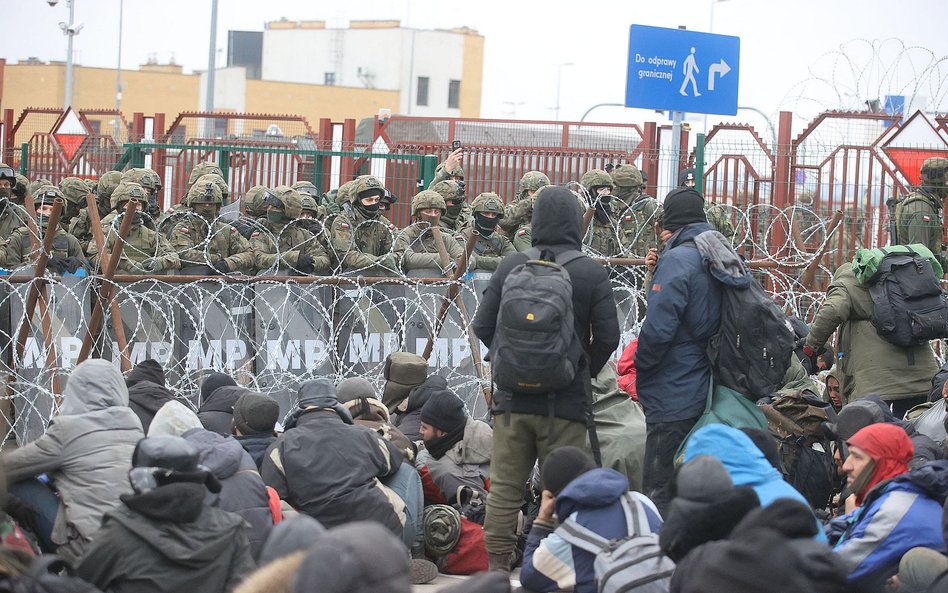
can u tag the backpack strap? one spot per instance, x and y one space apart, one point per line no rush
582 537
532 253
567 257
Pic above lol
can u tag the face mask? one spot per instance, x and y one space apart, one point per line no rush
274 217
42 221
484 225
454 210
370 210
6 192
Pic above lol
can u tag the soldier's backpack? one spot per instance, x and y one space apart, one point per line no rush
908 307
535 349
633 564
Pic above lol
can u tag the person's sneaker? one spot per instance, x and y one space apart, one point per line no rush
422 571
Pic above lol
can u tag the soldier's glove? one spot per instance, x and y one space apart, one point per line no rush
221 266
388 261
19 190
56 264
810 359
152 265
304 263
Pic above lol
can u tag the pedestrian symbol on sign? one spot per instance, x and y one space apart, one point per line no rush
691 68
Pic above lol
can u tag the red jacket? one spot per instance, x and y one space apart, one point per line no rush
626 369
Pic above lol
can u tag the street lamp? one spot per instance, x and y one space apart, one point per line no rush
559 82
70 30
711 30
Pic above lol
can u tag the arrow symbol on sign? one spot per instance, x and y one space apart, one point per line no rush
720 68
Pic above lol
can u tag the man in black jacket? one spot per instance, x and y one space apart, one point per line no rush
526 432
164 538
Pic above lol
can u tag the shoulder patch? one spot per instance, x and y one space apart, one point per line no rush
254 234
391 226
344 225
628 218
185 229
926 218
521 232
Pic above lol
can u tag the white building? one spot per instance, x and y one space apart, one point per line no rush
437 73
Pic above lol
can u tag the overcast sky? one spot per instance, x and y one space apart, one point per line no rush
783 44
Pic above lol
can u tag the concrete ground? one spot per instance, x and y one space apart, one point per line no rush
447 580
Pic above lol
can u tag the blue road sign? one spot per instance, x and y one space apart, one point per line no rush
681 70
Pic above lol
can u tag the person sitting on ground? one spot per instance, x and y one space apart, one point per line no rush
574 488
255 417
147 391
163 538
897 509
359 396
918 569
408 415
403 372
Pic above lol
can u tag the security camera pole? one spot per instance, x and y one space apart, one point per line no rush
70 30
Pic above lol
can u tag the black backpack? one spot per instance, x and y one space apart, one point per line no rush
908 307
535 348
751 351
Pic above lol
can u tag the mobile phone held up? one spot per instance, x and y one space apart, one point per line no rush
455 145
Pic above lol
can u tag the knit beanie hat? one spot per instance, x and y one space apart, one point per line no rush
562 466
146 370
255 413
403 371
213 381
444 411
682 206
354 388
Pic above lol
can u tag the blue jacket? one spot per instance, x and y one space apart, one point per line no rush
593 501
673 372
898 515
744 462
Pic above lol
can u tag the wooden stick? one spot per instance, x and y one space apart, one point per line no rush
452 293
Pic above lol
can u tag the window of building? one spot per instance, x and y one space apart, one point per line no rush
329 79
454 94
422 91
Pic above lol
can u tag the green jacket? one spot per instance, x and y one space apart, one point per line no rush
637 216
11 219
358 242
516 215
18 249
620 426
604 239
868 363
415 248
191 241
918 219
523 239
280 246
141 244
488 251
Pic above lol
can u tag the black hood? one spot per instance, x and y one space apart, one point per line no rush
557 219
146 370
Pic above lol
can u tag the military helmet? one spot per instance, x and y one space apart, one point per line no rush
287 199
448 189
252 202
107 183
74 190
205 191
92 185
218 181
203 168
307 188
147 178
594 179
22 180
47 194
7 172
934 172
488 202
126 191
365 186
427 199
344 193
533 181
38 183
309 203
627 176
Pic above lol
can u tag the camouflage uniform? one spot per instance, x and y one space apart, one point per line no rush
441 174
12 213
281 244
636 211
81 226
149 180
458 217
74 192
519 213
918 217
18 249
719 218
308 189
491 247
254 209
415 246
146 251
602 236
358 238
216 244
203 168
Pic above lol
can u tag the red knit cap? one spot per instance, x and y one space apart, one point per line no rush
889 447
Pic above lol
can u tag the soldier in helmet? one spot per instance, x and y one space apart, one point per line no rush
388 200
458 214
602 236
12 214
918 217
151 183
491 246
146 251
36 184
417 244
19 250
254 212
450 168
308 190
309 218
168 221
203 168
636 211
283 246
519 213
205 244
360 236
81 225
75 191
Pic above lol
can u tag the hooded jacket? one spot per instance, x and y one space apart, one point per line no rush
593 501
467 463
87 451
242 489
409 421
557 226
371 413
168 541
896 516
217 411
340 484
673 372
145 398
744 462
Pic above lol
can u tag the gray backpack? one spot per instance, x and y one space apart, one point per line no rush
535 348
633 563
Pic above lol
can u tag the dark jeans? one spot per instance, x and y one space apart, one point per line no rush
662 440
40 504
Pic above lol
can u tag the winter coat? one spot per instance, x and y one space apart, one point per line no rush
371 413
408 417
896 516
867 362
673 372
620 426
625 369
87 451
467 463
341 483
557 224
744 462
217 411
168 541
256 445
242 489
146 398
594 501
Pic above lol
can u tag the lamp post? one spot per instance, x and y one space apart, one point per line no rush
559 82
70 30
711 30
